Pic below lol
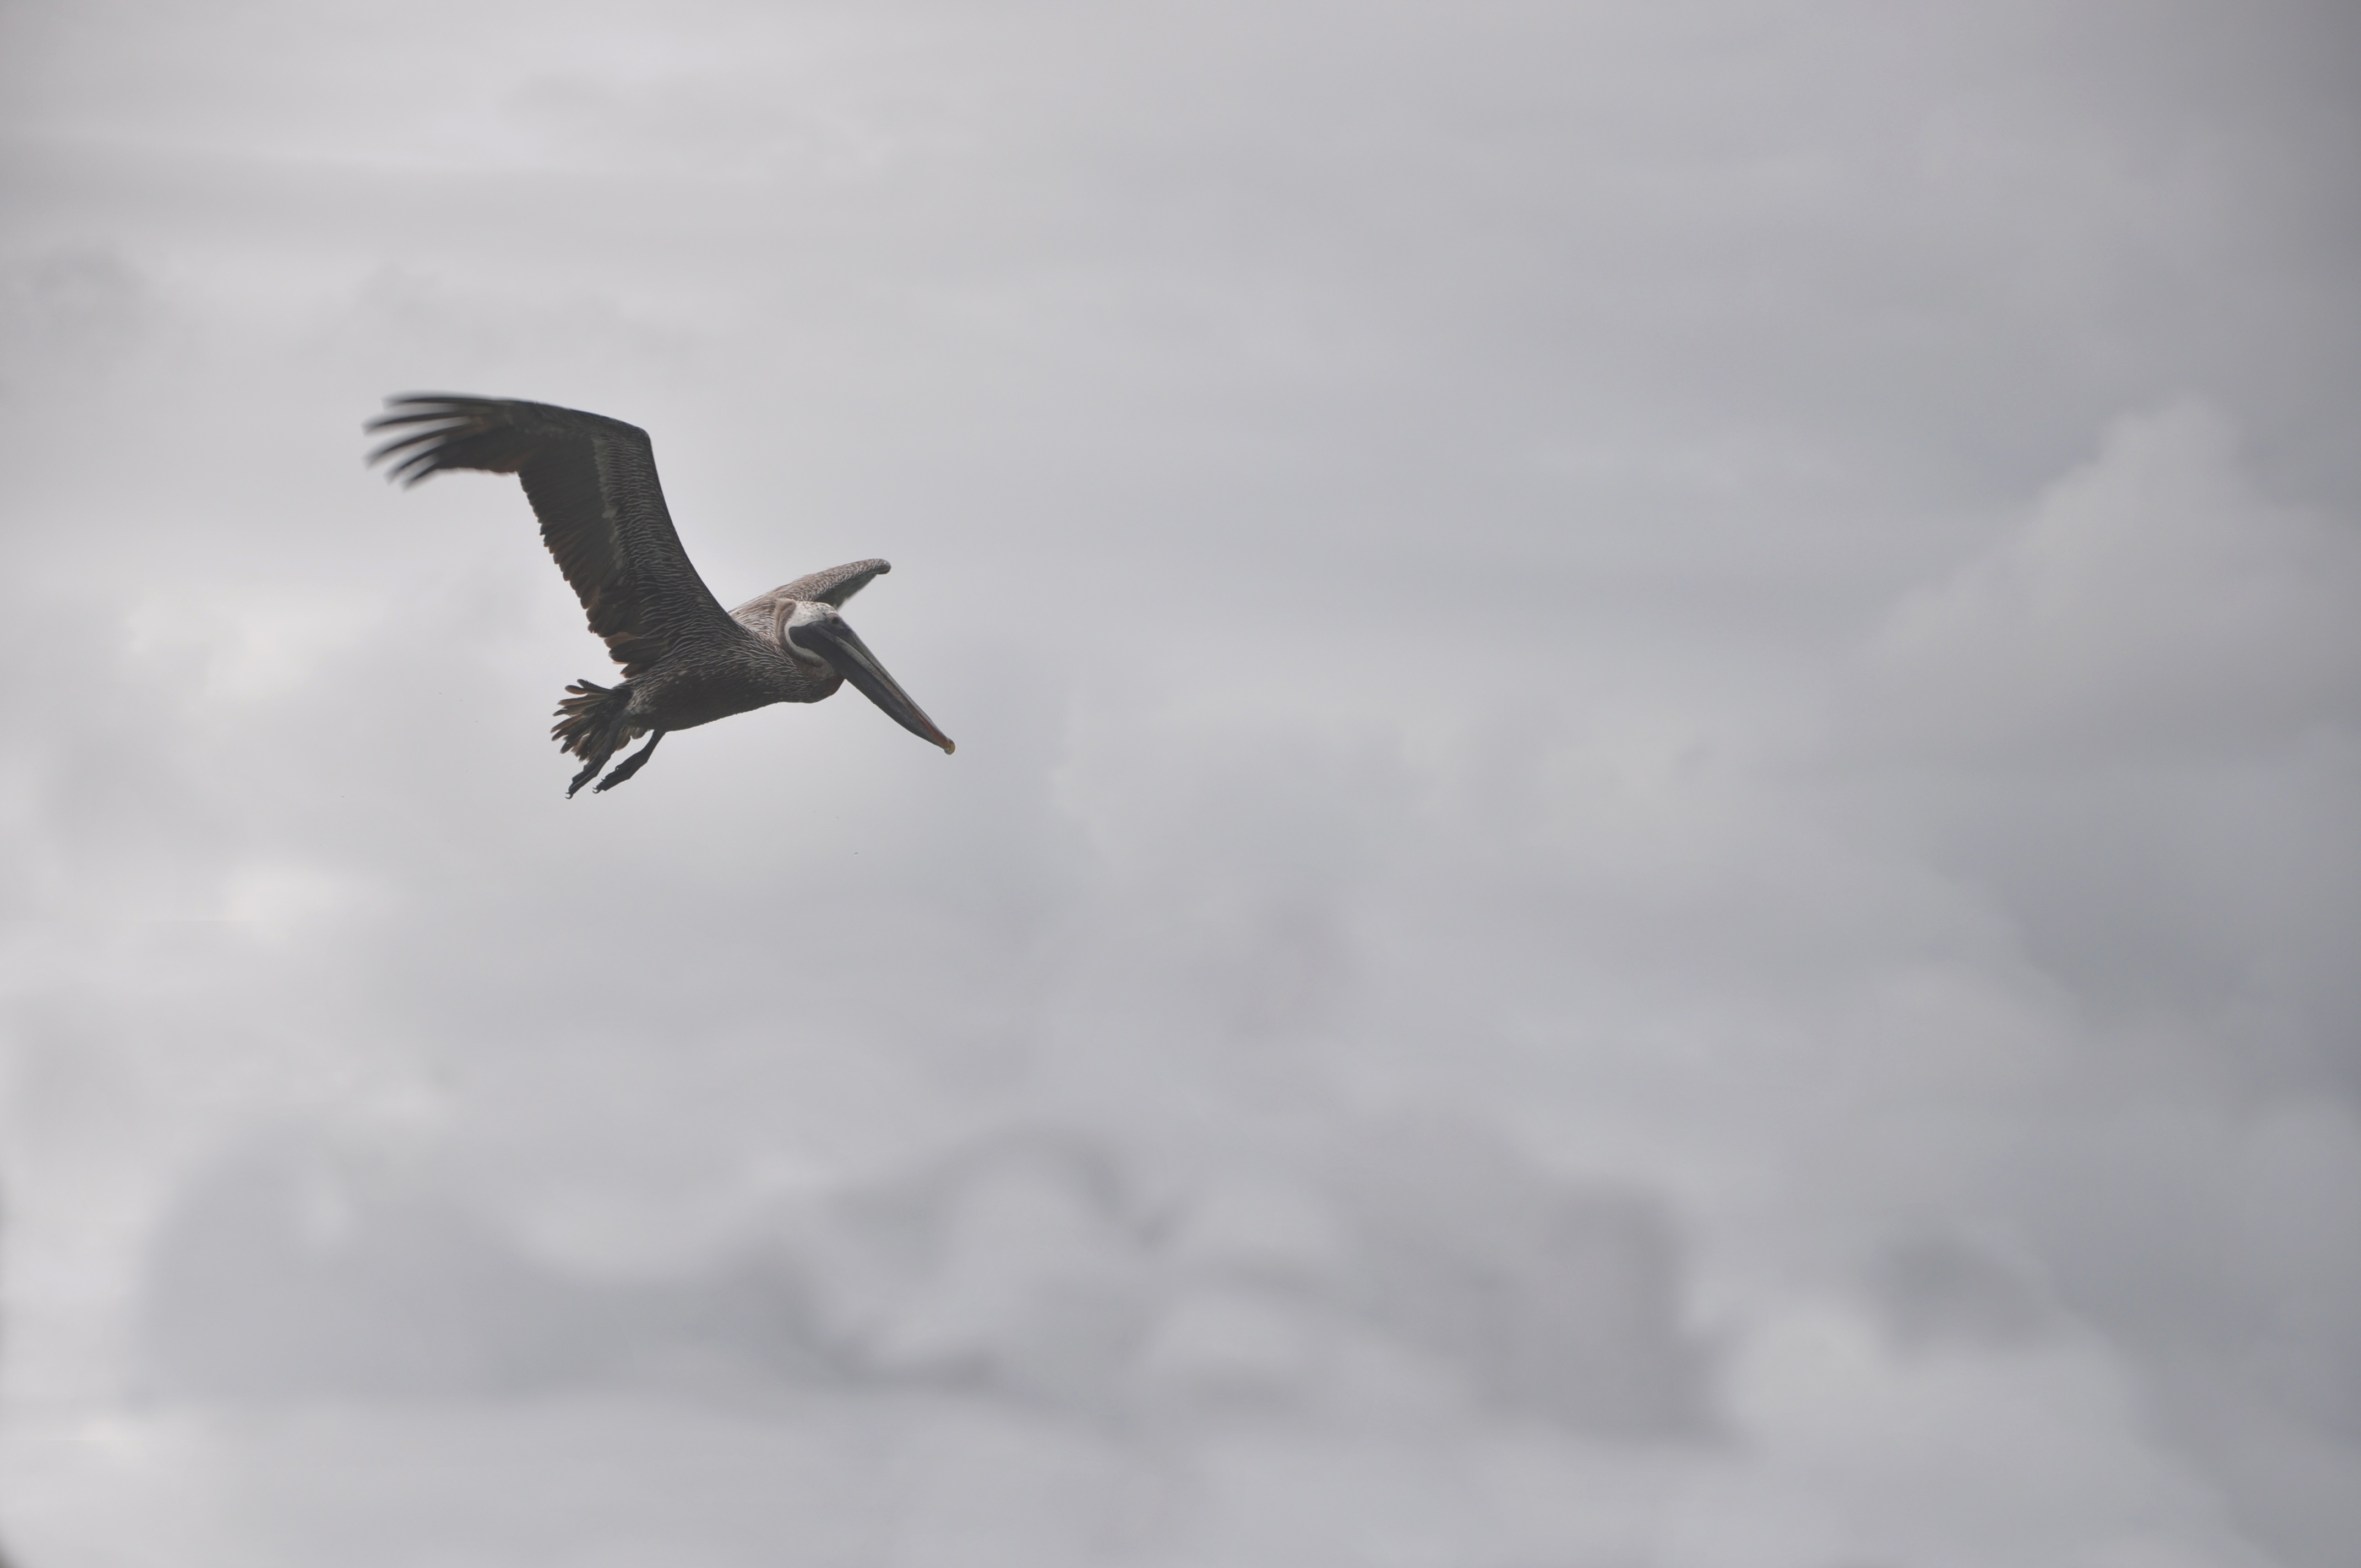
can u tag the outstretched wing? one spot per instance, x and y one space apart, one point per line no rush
833 587
592 482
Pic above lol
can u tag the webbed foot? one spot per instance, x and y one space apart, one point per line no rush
632 765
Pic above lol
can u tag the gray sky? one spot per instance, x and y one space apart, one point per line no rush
1652 861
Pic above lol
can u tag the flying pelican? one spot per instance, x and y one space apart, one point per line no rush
592 482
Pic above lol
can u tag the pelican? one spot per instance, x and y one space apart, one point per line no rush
592 482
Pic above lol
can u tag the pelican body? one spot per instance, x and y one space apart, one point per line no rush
592 482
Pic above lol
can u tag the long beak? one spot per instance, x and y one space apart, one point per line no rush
843 647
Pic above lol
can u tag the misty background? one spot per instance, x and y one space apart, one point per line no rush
1653 859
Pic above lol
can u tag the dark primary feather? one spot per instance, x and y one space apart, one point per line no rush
592 482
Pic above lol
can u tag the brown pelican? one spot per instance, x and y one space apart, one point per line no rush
592 482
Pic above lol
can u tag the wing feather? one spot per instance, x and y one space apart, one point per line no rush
834 585
592 482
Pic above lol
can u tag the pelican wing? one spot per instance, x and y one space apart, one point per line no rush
592 482
832 586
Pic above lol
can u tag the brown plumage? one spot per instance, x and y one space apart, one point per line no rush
592 482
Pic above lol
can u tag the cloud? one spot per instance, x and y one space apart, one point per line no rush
2153 607
1029 1266
1629 878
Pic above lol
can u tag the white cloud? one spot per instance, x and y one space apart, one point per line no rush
2153 605
1387 500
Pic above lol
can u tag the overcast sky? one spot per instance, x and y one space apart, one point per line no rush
1652 858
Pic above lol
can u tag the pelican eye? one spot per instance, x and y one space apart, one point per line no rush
796 645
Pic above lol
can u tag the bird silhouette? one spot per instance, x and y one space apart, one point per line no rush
687 662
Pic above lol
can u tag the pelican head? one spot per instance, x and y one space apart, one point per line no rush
815 633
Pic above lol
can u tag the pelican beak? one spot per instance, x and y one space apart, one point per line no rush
850 657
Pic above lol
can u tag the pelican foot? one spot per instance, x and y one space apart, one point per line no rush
632 765
587 775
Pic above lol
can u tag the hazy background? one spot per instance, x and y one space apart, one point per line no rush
1654 858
